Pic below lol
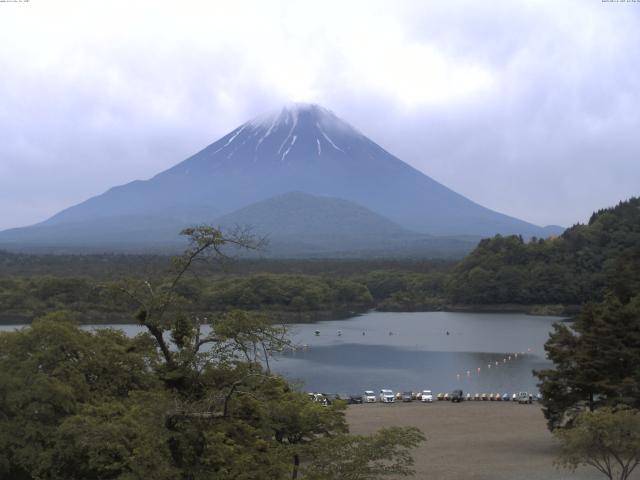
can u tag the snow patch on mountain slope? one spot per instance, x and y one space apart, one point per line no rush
328 139
232 138
289 149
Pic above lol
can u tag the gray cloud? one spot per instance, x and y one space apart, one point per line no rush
530 109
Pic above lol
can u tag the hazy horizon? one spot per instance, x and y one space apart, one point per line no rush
528 110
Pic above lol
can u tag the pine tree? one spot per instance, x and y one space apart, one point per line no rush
596 361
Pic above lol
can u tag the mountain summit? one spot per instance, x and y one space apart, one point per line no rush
302 148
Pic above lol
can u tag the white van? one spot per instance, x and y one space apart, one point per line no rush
369 396
387 396
427 396
524 397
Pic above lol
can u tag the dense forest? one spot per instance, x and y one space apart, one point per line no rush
289 290
574 268
563 271
287 296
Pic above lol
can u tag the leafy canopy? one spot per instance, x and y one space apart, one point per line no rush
607 440
190 399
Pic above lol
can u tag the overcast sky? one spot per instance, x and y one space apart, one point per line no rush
528 108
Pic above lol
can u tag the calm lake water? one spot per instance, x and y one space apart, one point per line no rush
483 352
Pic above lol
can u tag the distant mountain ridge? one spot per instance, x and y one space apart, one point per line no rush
298 224
302 148
301 214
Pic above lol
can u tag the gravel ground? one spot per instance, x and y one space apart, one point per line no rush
473 440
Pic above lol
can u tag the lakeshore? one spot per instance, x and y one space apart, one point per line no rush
473 440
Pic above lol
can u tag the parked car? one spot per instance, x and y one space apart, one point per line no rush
440 396
484 396
456 396
469 397
514 397
321 399
506 397
524 397
387 396
407 396
369 396
446 397
427 396
476 397
355 399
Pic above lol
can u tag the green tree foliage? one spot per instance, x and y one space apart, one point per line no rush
288 292
52 373
22 299
571 269
359 457
596 361
182 401
607 440
395 290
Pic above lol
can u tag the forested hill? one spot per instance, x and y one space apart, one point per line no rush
576 267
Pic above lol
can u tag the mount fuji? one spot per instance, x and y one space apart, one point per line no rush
302 148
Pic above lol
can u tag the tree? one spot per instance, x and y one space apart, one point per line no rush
607 440
157 302
595 360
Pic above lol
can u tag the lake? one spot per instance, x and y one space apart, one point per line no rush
482 352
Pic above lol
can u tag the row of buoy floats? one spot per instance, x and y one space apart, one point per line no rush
495 364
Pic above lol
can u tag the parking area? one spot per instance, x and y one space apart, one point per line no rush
472 440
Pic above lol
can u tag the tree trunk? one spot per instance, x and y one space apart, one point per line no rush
296 465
